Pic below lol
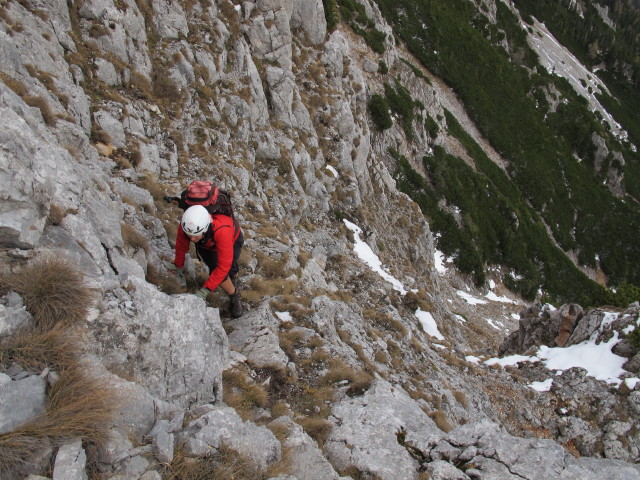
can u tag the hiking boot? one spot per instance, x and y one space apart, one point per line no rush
236 305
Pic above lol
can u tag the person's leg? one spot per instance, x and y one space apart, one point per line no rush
234 294
209 257
237 250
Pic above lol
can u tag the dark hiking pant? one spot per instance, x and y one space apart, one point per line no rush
210 257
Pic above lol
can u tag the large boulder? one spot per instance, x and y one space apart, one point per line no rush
305 458
380 432
255 335
309 16
174 346
222 426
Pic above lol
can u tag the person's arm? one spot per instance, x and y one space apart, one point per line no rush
182 247
223 237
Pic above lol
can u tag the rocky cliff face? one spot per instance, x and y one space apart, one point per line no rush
105 106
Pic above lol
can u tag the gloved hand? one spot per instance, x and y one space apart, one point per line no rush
202 293
173 269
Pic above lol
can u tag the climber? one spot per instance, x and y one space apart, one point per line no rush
218 244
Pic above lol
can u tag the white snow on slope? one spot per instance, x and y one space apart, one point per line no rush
597 359
429 324
364 252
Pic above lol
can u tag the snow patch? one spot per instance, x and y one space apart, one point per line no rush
367 255
429 324
470 299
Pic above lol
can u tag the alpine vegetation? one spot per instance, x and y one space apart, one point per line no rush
421 217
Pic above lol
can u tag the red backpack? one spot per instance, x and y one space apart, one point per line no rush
213 198
205 193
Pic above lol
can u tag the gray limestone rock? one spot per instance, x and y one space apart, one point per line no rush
306 459
163 444
20 401
223 426
586 468
441 470
586 327
70 462
124 33
13 314
309 16
112 127
169 19
270 35
255 336
373 433
175 346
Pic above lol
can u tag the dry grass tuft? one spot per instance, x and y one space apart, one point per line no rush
225 464
169 284
242 393
260 288
359 381
441 420
54 291
16 453
56 348
317 428
78 406
45 109
133 237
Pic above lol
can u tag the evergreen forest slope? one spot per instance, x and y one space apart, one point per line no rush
568 174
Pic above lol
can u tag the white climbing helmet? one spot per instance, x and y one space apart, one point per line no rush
196 220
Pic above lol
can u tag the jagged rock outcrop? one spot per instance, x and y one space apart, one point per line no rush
381 432
175 347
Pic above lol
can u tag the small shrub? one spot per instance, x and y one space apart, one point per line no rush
331 14
54 291
41 103
634 338
431 126
379 111
317 428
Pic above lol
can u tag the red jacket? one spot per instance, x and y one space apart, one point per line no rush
224 236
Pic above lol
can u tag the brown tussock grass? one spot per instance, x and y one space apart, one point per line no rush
133 237
54 291
316 427
78 406
359 381
243 394
225 464
56 348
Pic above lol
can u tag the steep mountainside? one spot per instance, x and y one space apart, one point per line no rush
570 170
405 188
